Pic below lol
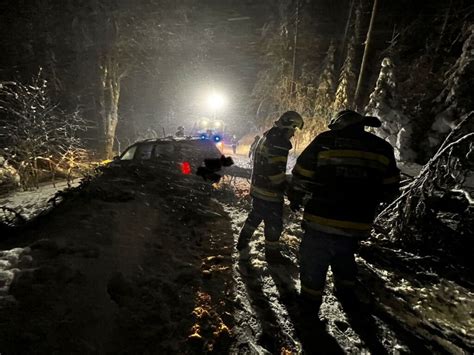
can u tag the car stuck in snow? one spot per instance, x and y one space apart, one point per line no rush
190 156
187 153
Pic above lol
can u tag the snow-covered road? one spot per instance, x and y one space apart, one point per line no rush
405 312
142 262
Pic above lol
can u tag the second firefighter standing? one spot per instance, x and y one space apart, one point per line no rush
269 180
344 174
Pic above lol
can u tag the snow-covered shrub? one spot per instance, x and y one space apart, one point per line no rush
9 178
35 134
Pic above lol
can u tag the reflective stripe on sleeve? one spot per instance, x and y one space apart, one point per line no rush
278 178
353 162
278 159
303 185
298 169
265 194
279 147
328 154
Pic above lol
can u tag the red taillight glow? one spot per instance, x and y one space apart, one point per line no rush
185 168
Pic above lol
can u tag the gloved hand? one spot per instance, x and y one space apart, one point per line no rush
295 206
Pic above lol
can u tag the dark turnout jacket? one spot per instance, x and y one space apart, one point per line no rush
269 166
347 173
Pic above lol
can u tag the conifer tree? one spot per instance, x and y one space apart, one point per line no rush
456 98
385 104
347 80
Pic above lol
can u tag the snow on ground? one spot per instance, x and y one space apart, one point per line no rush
129 263
267 320
410 313
31 203
241 161
10 261
148 264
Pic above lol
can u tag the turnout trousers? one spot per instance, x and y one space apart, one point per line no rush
268 212
318 251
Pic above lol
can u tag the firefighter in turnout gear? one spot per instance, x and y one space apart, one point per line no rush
343 175
268 183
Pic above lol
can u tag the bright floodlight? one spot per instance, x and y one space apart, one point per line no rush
216 101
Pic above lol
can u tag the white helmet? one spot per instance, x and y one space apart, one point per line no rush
291 120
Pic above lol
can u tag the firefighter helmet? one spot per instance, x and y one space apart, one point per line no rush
291 120
348 118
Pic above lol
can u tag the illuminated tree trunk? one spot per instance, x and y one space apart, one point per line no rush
109 102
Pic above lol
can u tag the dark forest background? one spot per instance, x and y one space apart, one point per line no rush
137 69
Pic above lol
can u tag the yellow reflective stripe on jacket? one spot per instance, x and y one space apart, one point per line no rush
299 184
281 148
265 194
298 169
391 180
328 154
278 159
337 223
359 162
278 178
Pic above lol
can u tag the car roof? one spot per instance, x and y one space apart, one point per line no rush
196 144
170 140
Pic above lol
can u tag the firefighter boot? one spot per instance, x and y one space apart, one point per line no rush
354 297
244 237
273 253
308 309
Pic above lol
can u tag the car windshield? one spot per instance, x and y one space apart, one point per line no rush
129 153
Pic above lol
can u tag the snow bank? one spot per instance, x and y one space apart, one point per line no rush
10 261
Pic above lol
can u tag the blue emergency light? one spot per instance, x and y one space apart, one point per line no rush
217 138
